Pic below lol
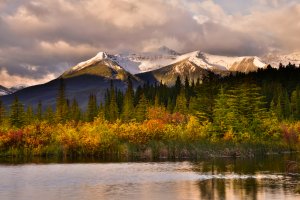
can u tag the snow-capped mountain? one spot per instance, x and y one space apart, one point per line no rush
133 63
274 59
4 91
165 65
169 74
95 75
11 90
216 63
149 61
17 88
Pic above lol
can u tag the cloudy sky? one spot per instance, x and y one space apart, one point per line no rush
39 39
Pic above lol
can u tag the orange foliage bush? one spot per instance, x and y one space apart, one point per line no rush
160 113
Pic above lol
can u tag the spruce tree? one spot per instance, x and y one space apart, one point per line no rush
17 117
120 100
141 109
128 107
113 106
39 112
75 112
49 115
92 108
61 103
2 113
137 95
29 115
187 90
206 93
286 105
221 112
295 103
177 86
181 103
101 113
107 100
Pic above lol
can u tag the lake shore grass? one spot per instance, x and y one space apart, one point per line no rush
151 139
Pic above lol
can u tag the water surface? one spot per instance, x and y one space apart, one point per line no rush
263 178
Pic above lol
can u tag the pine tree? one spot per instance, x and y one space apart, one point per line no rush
92 109
2 113
17 113
278 109
128 107
39 113
107 100
181 103
141 109
295 103
49 115
221 112
205 99
177 86
29 115
113 113
187 90
137 95
61 103
75 113
286 105
101 113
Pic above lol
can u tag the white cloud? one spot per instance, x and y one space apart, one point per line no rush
9 80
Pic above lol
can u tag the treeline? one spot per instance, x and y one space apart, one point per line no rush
258 107
242 97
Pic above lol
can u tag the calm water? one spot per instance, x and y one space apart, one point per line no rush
263 178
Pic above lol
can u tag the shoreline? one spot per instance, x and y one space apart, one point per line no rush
207 150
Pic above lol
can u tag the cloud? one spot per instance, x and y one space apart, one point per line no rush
13 80
43 38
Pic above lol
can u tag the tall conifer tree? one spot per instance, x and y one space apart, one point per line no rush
128 107
17 117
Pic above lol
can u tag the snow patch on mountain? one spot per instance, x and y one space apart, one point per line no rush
274 59
100 56
216 62
4 91
137 63
259 63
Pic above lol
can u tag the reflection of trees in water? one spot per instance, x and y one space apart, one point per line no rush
252 188
212 189
226 189
274 164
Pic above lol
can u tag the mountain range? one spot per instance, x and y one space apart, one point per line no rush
162 65
7 91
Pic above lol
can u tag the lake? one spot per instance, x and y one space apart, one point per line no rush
221 178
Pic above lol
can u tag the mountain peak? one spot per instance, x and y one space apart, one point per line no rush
101 55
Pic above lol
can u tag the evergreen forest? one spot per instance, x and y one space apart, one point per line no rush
236 115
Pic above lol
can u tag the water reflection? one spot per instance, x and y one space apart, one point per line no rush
264 178
261 178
